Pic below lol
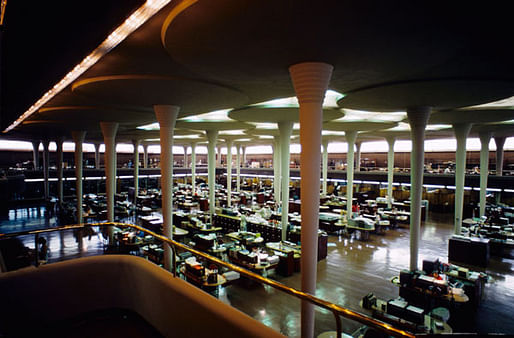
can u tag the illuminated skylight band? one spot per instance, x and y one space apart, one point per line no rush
139 17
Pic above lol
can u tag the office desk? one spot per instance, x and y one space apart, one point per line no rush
202 283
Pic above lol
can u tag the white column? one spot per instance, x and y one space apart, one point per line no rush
109 130
218 159
229 173
390 170
461 133
244 156
59 154
193 167
238 168
78 138
350 139
97 155
485 138
418 118
185 158
285 139
136 144
46 165
500 142
358 156
325 167
145 156
167 116
310 81
35 154
212 136
276 169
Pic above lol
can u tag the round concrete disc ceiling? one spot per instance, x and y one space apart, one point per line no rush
242 42
96 114
263 114
383 134
357 125
497 129
149 90
439 94
213 125
471 116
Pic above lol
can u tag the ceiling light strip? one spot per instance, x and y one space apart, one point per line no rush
139 17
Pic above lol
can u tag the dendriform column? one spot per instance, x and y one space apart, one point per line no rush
390 170
185 157
59 153
350 139
244 156
485 138
35 154
285 129
78 138
310 82
358 156
229 173
500 142
218 159
461 133
238 168
212 136
109 130
97 155
193 167
145 156
46 165
136 144
418 118
167 116
276 169
325 167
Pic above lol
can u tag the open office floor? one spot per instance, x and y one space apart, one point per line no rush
352 269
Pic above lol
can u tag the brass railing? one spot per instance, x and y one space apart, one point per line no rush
336 310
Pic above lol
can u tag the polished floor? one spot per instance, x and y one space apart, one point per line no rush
352 269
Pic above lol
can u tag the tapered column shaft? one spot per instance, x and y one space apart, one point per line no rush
167 116
46 166
109 130
350 139
212 136
325 167
218 159
500 142
35 154
244 156
193 167
276 170
310 81
390 170
229 173
285 139
185 164
145 156
59 153
485 138
358 156
136 144
418 118
78 138
461 134
97 155
238 168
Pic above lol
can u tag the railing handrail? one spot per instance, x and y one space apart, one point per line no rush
334 308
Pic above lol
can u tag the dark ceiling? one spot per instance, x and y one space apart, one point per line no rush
42 40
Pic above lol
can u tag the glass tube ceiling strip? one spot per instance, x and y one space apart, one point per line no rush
133 22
